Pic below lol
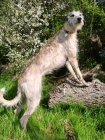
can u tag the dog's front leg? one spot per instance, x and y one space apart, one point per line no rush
69 67
74 64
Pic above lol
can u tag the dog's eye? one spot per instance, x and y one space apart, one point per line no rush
72 15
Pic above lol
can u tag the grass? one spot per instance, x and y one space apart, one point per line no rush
47 123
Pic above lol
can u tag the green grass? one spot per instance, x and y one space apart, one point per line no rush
47 123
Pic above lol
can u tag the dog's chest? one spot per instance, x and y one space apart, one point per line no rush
71 45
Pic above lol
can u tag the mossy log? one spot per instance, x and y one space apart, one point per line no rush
94 95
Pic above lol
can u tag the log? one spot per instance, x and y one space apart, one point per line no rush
91 96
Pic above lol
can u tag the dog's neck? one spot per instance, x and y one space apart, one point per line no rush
68 29
69 32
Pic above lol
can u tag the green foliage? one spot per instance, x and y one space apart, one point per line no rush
90 63
20 28
23 27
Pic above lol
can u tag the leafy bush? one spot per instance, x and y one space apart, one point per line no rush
21 28
25 28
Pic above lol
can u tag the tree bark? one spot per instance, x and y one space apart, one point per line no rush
94 95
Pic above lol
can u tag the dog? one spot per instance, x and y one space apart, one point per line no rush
62 49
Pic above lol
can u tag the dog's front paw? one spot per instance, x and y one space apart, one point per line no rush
83 83
87 84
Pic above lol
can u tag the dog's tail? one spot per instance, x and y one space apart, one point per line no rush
9 103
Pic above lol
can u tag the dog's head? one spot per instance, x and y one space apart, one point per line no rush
75 19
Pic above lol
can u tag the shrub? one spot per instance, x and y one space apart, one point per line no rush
25 27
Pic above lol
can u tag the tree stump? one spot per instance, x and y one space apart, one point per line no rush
94 95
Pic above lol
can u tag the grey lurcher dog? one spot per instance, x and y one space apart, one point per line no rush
60 50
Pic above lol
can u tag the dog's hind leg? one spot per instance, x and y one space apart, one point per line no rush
21 104
31 106
32 90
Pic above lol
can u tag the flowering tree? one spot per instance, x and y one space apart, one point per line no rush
23 27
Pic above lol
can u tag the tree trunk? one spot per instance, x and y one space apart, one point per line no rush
94 95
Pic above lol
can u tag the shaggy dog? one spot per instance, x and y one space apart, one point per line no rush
60 50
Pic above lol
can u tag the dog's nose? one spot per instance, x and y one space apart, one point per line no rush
79 19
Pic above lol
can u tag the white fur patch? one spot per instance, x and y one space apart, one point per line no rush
2 90
66 34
